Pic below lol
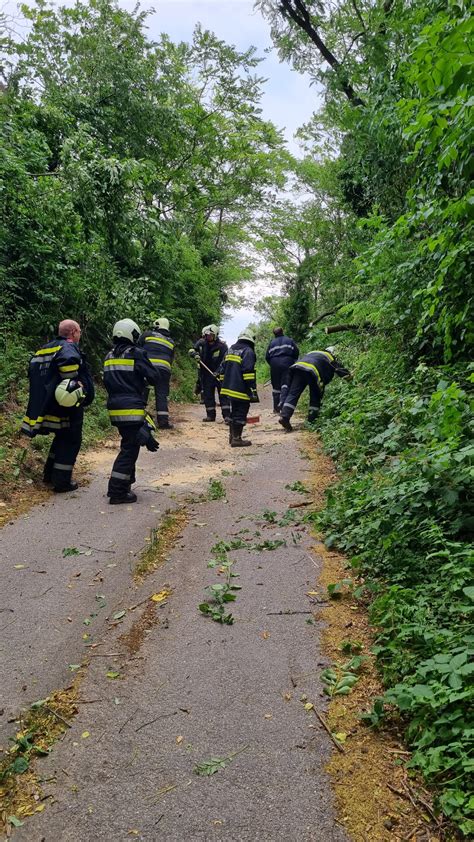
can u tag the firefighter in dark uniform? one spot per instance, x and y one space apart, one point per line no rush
60 387
315 370
160 349
240 385
127 373
211 351
281 353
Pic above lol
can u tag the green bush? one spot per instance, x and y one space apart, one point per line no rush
403 511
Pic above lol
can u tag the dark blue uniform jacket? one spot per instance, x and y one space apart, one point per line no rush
127 371
322 365
239 378
282 349
160 348
56 361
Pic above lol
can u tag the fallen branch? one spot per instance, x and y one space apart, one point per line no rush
299 505
327 728
340 328
280 613
152 721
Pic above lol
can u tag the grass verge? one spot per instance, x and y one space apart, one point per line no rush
377 798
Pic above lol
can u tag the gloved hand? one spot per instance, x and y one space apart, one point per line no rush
254 398
145 438
152 445
193 353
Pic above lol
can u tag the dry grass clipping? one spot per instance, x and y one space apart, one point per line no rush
363 775
161 542
20 794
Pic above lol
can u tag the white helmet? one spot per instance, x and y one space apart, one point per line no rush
126 329
162 323
69 393
248 334
210 329
330 350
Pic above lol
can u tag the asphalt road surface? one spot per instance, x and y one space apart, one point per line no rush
188 689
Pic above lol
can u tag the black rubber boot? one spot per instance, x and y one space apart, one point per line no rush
231 431
129 497
63 489
237 440
285 423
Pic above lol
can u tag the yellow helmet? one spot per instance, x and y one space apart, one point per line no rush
69 393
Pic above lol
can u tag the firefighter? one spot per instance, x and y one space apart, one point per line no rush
240 385
315 370
210 350
127 372
281 353
60 387
160 349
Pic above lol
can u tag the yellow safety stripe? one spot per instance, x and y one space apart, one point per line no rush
233 358
33 421
243 396
162 341
126 412
48 350
116 361
163 362
312 367
249 376
63 368
326 354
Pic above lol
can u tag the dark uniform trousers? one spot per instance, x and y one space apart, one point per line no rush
280 376
298 382
63 452
209 386
123 470
162 391
239 411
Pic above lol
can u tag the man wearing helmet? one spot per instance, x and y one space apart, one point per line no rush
127 371
159 346
210 350
240 385
315 370
60 387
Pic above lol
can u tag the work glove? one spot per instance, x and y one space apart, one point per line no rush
193 353
254 398
145 438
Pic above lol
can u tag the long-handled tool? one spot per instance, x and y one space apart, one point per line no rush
212 373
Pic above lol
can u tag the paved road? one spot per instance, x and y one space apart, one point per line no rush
193 689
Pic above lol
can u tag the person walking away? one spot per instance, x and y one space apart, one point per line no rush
61 386
160 349
240 385
315 370
282 352
127 373
211 351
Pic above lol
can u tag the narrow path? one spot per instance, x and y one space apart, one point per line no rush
188 689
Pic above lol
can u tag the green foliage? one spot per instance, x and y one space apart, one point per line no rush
216 490
387 186
130 171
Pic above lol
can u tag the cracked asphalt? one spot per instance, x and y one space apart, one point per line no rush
193 689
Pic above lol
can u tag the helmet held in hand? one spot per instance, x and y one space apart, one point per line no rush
69 393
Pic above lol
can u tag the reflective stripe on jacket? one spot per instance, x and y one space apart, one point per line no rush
283 349
322 365
240 379
127 371
159 346
56 361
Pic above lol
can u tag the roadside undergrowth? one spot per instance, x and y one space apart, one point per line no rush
160 542
376 798
38 730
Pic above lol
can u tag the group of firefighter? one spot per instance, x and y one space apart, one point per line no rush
61 387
